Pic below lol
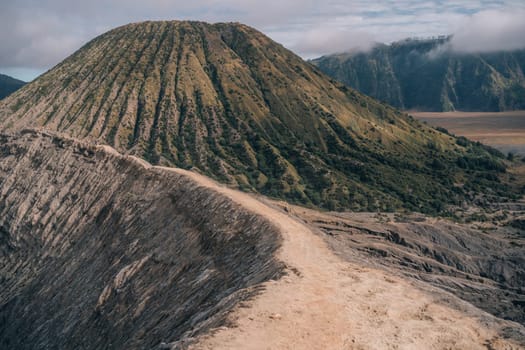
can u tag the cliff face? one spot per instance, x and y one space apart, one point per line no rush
242 109
98 252
426 75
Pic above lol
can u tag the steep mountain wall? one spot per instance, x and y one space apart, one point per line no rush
426 75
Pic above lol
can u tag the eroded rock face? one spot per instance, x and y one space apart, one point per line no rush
98 252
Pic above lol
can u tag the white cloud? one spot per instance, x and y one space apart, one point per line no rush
491 30
322 40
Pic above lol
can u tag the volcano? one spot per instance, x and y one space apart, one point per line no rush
226 100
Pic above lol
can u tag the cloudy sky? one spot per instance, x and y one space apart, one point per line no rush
37 34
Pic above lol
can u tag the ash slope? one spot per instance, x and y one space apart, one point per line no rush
97 252
242 109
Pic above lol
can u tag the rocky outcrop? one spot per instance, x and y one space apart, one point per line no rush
98 251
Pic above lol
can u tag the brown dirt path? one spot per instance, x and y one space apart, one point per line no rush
325 303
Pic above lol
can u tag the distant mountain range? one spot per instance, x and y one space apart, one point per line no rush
427 75
9 85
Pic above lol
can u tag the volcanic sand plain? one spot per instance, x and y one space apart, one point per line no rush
502 130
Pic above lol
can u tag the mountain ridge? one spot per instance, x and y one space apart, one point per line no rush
125 254
106 243
131 255
428 75
8 85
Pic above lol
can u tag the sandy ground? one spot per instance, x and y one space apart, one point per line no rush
467 114
325 303
502 130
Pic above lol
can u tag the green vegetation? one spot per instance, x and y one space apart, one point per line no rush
228 101
427 75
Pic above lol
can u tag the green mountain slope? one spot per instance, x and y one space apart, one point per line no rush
230 102
9 85
426 75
